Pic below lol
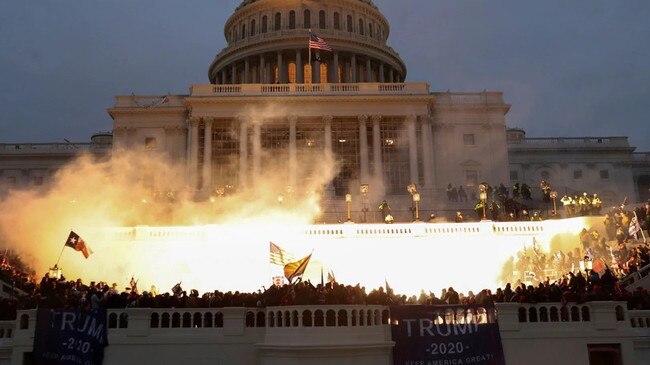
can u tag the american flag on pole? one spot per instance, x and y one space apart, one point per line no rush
279 256
635 227
317 42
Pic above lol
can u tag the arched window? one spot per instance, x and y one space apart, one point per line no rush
278 21
361 30
307 73
265 23
292 19
370 30
235 35
292 72
253 27
243 31
306 19
350 24
321 19
323 73
337 21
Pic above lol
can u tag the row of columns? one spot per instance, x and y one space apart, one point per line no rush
264 70
256 149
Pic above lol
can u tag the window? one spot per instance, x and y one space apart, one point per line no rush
323 73
361 30
37 180
337 21
278 21
150 143
468 139
601 354
291 70
306 19
243 31
604 174
292 19
321 19
577 174
370 30
471 177
350 24
253 27
265 23
514 175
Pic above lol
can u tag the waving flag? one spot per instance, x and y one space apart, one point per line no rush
278 256
78 244
317 42
293 270
635 227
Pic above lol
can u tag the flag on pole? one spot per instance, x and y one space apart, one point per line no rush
177 290
635 227
78 244
293 270
279 256
317 42
330 277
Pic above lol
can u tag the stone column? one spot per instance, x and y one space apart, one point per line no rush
246 70
300 70
194 152
224 76
327 120
243 152
261 70
293 158
391 75
207 157
413 148
368 70
353 67
363 149
280 68
381 72
335 68
346 72
257 150
315 72
233 74
427 151
376 148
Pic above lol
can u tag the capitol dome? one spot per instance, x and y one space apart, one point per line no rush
268 43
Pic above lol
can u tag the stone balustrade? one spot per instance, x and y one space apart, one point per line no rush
310 89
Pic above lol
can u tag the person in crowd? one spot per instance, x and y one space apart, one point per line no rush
462 194
568 204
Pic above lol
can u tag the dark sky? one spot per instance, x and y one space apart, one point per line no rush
569 68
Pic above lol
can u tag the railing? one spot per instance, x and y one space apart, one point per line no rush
310 89
639 318
26 148
327 316
484 98
641 157
634 277
572 142
152 102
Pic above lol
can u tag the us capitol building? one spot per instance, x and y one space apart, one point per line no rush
266 103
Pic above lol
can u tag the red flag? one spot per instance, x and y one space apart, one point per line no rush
78 244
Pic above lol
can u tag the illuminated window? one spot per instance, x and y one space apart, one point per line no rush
292 72
577 174
339 77
604 174
307 72
323 73
468 140
150 143
471 177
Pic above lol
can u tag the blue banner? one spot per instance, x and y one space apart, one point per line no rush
70 337
445 335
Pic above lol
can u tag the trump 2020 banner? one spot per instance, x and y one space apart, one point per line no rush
445 335
70 337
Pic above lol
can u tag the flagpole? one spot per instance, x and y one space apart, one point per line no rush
309 43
